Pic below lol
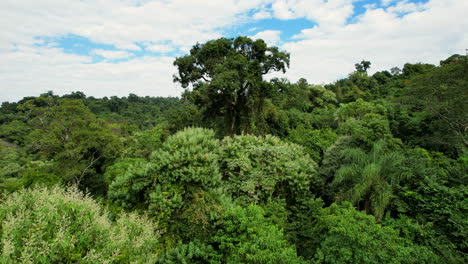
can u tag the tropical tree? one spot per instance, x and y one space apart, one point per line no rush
363 66
178 186
227 79
367 179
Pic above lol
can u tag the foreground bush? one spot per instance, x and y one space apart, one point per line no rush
63 226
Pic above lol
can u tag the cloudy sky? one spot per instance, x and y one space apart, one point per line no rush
117 47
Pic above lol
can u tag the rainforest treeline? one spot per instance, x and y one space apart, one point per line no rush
241 169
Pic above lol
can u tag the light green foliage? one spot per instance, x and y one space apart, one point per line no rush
357 86
128 181
57 226
18 171
357 110
257 169
121 166
315 142
343 235
368 179
245 236
10 162
365 122
194 252
189 157
40 173
186 176
178 186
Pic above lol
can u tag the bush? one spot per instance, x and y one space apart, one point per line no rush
63 226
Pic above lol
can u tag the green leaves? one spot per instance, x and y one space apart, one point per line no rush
78 142
227 79
178 186
257 169
58 226
344 235
368 178
245 236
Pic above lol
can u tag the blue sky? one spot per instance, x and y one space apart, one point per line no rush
111 47
287 28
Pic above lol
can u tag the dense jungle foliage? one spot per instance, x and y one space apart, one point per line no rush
241 169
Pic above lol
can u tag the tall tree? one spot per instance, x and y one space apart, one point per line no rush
363 66
227 79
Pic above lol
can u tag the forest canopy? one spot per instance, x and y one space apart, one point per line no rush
241 168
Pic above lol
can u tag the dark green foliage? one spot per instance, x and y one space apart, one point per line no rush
15 132
368 179
436 196
437 102
245 236
79 143
340 234
144 112
227 79
143 143
363 66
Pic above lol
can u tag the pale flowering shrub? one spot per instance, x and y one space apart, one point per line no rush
64 226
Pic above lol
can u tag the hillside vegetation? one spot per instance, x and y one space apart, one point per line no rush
240 169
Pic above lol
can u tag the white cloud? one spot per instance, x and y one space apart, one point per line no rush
430 32
435 31
112 54
387 2
326 13
406 7
128 46
160 48
282 10
262 14
64 73
271 37
121 23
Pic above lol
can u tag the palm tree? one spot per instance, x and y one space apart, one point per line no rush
367 179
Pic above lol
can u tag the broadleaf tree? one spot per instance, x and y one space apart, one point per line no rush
227 80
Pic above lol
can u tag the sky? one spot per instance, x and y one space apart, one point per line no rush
118 47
